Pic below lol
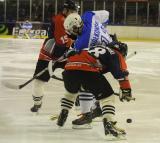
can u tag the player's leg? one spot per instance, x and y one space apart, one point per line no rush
39 82
109 123
89 108
103 91
72 86
77 103
38 85
96 109
86 102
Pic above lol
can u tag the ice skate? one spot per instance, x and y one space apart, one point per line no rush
62 117
112 132
84 122
36 108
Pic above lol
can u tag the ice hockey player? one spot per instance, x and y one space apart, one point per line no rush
91 31
83 70
53 48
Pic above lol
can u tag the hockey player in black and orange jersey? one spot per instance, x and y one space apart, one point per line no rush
53 47
83 70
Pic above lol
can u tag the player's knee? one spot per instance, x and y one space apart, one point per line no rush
108 101
108 108
85 96
70 96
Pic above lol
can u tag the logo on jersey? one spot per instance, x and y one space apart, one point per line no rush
96 34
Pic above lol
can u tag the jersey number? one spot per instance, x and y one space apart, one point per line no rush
64 39
104 40
97 51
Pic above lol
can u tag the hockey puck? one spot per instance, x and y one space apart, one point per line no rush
129 120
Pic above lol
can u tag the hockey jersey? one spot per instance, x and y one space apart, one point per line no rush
97 59
93 31
57 36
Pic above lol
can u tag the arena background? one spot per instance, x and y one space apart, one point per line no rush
141 17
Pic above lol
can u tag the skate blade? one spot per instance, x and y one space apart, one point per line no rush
113 138
35 113
85 126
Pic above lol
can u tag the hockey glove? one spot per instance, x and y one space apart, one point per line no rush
125 90
125 94
119 46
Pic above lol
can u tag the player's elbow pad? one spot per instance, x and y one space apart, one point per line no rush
120 74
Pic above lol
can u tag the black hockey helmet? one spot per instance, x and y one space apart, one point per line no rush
69 4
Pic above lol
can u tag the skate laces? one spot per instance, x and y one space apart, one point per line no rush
81 116
117 128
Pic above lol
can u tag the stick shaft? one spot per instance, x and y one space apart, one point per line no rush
37 75
34 77
131 55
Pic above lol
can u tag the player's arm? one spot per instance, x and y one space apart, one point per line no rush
120 72
114 63
102 16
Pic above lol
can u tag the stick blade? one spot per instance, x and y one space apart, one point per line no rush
11 86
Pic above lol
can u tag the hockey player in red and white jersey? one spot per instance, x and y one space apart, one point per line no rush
53 47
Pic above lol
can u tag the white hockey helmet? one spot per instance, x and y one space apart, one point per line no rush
73 24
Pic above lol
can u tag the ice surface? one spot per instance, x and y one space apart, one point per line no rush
19 125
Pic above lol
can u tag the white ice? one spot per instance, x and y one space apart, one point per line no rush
19 125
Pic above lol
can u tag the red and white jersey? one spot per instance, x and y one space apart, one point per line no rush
61 38
59 35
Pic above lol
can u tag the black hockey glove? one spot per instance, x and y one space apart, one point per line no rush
114 37
123 49
119 46
125 94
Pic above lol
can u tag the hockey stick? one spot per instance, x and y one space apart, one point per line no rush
131 55
57 78
12 86
128 57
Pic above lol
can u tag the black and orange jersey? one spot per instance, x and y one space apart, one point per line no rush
97 58
82 61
